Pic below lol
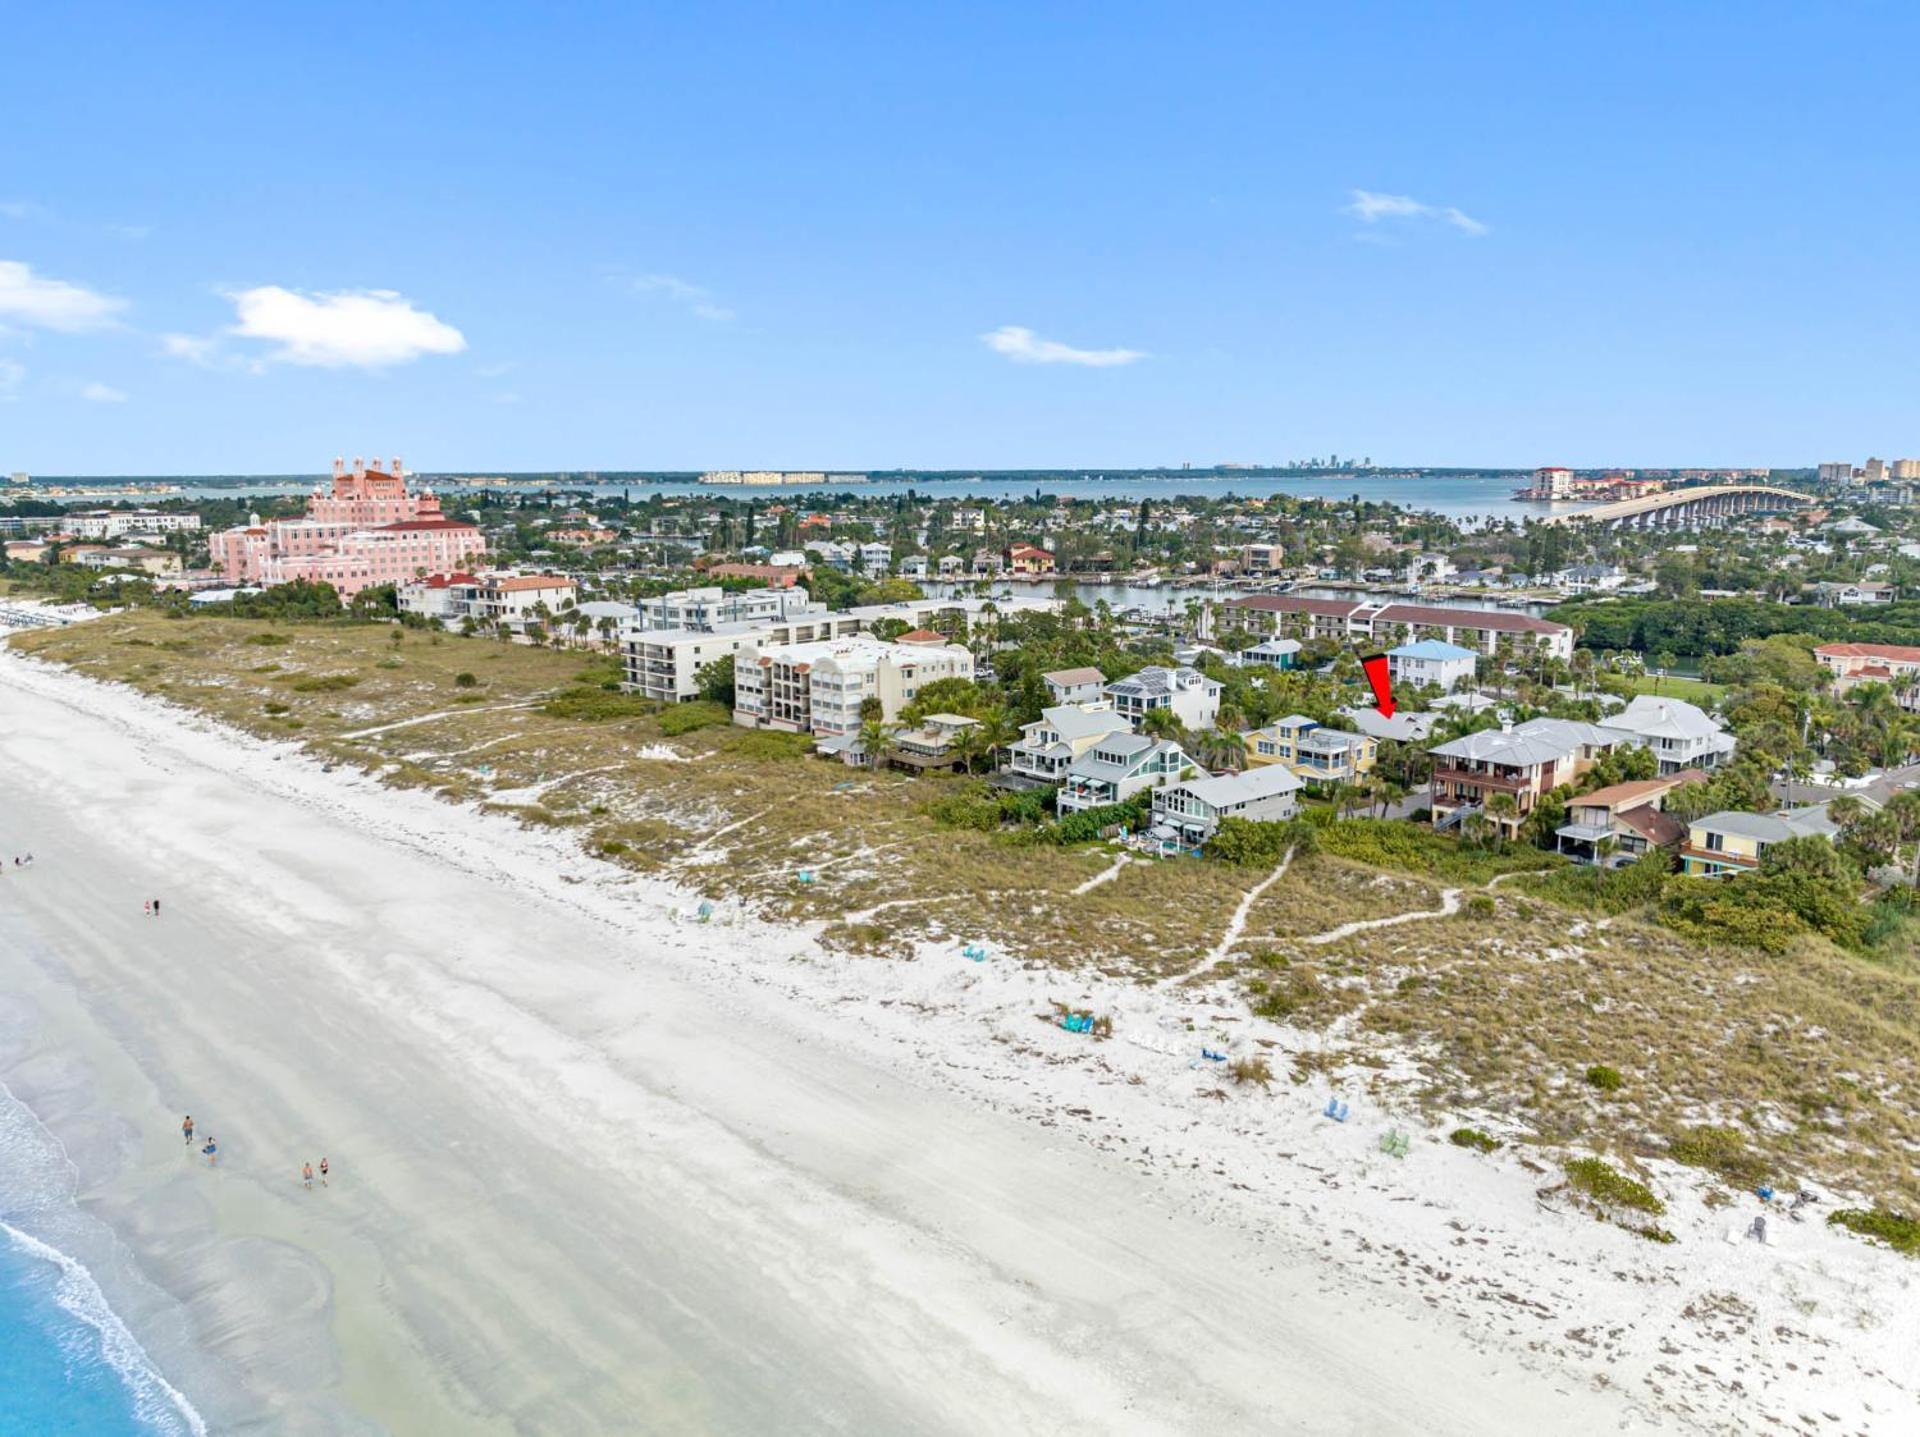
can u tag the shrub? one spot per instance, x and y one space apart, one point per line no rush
595 705
685 718
324 683
268 640
1397 843
464 680
1473 1138
1610 1187
1607 1080
966 809
1479 906
1896 1230
768 744
275 708
1722 1151
1251 1070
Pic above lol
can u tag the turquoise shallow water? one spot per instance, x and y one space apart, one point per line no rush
68 1364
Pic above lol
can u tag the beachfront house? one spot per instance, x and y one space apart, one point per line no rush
1431 663
933 745
1190 812
1193 697
1521 762
1117 768
1630 816
1732 842
1679 733
1063 733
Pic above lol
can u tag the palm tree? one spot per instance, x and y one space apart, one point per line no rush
1475 827
998 731
876 736
1502 809
1602 851
1162 723
968 745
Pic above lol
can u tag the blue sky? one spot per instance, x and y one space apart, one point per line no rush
237 239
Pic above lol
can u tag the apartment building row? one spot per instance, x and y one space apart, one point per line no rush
821 687
1384 624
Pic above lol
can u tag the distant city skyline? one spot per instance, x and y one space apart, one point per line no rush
747 237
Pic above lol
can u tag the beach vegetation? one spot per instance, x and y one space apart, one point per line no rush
1608 1187
1896 1230
1605 1079
1475 1139
1722 1151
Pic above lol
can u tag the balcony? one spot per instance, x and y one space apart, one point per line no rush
1481 778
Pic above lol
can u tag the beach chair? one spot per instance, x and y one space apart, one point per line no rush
806 875
1213 1057
1394 1143
1336 1110
704 912
976 951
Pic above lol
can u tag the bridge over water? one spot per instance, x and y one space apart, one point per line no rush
1702 507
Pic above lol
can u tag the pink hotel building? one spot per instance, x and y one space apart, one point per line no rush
367 530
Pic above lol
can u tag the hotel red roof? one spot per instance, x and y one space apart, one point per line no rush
417 524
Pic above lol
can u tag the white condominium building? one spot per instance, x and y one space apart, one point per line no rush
819 688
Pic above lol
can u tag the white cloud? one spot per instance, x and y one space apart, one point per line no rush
21 210
28 298
98 393
1023 346
194 348
694 298
1370 208
371 328
12 375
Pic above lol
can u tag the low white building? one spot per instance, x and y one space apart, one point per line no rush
665 664
1076 686
710 607
112 523
1190 812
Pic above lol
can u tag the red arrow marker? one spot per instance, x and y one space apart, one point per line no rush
1375 667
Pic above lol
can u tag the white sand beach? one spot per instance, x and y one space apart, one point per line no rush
597 1168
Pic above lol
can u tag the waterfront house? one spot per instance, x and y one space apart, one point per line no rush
1118 767
1193 697
1630 814
1486 631
932 745
1725 844
1523 762
1190 812
1028 559
1063 733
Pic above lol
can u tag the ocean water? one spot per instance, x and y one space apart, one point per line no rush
68 1364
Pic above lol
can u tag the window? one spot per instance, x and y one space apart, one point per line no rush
1715 843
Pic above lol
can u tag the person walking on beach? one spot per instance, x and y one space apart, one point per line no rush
146 907
306 1176
323 1172
212 1150
186 1129
156 908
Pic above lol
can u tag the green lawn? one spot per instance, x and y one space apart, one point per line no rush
1694 691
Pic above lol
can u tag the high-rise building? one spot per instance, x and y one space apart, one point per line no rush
1876 472
1906 469
1836 473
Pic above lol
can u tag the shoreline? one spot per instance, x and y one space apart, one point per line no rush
619 1038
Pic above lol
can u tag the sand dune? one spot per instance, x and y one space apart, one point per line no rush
598 1170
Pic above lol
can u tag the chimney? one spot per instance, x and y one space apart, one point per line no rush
397 470
359 467
339 467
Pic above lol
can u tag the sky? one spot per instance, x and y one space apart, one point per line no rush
244 239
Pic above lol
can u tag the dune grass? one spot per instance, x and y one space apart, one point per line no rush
1735 1062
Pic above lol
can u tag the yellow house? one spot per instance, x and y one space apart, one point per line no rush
1311 751
1731 842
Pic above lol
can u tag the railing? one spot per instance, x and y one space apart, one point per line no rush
1478 779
